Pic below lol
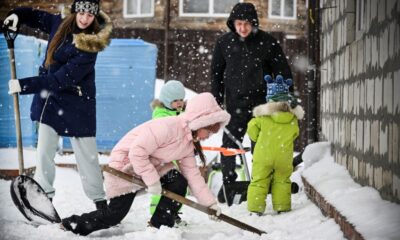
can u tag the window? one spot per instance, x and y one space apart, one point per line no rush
138 8
206 8
283 9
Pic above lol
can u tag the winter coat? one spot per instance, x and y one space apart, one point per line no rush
149 149
159 110
274 131
70 106
239 65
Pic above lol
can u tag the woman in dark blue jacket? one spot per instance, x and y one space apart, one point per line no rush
64 100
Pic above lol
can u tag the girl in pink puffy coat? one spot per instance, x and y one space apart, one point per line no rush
147 151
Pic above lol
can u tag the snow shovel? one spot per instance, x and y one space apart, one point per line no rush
26 194
32 201
185 201
236 192
10 34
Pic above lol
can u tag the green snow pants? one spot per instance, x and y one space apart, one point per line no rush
270 173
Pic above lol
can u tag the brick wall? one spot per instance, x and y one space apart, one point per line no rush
360 90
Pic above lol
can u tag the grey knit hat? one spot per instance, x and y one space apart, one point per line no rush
171 91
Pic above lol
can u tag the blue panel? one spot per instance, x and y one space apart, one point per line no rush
29 54
125 82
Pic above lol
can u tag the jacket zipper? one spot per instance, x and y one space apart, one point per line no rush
79 91
48 94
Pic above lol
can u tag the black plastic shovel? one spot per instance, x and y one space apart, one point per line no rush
26 193
10 36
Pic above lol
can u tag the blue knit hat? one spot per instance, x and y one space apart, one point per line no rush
278 90
171 91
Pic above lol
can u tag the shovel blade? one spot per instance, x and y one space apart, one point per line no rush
32 201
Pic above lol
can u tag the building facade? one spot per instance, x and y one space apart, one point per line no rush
360 86
189 29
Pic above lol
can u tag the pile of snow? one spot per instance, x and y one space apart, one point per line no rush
373 217
315 152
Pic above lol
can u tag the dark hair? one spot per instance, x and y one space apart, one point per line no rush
198 149
214 127
68 26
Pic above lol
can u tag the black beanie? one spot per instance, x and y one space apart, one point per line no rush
89 6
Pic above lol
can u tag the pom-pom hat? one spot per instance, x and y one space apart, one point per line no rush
278 90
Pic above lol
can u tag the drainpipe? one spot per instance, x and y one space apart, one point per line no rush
313 74
166 33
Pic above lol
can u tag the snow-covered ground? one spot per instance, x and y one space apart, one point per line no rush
305 221
373 217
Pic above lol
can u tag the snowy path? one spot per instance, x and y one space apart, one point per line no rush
304 222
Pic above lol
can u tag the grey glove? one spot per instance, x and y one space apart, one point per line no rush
155 188
217 212
13 86
11 22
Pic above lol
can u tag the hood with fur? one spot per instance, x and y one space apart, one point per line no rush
93 42
202 110
268 109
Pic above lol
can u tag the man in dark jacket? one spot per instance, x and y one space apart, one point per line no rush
241 58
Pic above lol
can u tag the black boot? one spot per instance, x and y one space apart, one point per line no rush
220 196
226 180
294 188
102 206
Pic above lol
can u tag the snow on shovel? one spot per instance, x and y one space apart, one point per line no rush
32 201
184 201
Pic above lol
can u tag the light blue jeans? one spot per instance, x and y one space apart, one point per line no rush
86 155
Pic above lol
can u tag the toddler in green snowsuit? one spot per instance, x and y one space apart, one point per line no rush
274 129
170 103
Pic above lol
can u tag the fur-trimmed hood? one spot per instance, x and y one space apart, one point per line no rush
268 109
202 110
156 103
93 42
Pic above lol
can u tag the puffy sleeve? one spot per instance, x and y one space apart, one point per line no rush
149 139
196 182
218 65
35 18
70 74
253 129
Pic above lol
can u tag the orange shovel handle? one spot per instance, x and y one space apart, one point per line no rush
224 151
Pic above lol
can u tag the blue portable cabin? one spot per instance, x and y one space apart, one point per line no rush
125 82
29 54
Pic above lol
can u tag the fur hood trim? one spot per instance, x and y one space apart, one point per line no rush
268 109
202 110
93 42
156 103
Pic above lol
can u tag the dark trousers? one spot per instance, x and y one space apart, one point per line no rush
237 126
119 207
